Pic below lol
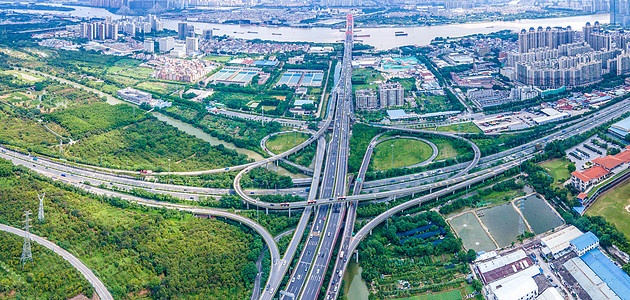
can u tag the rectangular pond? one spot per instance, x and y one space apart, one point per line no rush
503 222
472 234
538 214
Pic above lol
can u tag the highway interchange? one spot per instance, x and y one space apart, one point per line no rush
327 198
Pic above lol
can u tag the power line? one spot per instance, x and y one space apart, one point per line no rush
26 248
40 213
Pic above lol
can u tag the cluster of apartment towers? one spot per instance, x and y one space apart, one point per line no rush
561 57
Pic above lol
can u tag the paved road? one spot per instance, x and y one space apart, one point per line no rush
259 118
343 254
339 159
95 178
276 278
96 283
263 145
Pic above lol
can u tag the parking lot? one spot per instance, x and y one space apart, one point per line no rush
583 153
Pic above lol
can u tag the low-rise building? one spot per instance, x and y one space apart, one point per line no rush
551 115
582 180
519 286
621 128
488 97
134 96
584 243
558 243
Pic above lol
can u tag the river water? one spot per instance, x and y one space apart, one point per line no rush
381 38
200 134
354 286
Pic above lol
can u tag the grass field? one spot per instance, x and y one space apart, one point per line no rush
28 77
612 206
450 295
406 153
159 87
217 58
15 97
445 150
365 78
136 72
285 141
469 127
557 168
433 103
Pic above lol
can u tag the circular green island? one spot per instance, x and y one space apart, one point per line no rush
283 142
406 152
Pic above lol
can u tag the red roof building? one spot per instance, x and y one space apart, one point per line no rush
609 162
582 180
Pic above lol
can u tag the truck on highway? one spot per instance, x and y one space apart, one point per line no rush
146 172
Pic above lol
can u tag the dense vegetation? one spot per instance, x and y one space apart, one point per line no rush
138 251
361 136
262 178
431 264
149 144
84 121
48 277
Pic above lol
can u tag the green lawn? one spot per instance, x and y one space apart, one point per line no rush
365 78
159 87
612 206
217 58
469 127
28 77
432 103
450 295
137 72
406 153
283 142
16 97
445 150
557 168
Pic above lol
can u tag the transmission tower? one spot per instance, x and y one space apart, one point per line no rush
26 249
40 213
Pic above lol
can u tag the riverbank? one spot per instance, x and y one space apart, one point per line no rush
382 38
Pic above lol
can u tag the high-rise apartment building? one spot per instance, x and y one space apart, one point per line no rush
596 37
182 31
549 37
166 44
190 31
207 34
391 94
366 99
620 12
149 46
192 44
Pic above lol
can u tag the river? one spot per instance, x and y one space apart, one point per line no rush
381 38
200 134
